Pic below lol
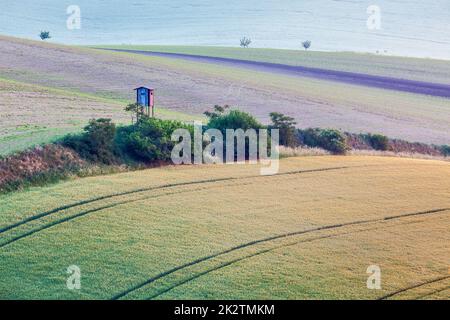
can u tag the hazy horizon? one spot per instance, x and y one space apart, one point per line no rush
331 25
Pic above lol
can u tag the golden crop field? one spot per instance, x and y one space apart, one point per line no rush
225 232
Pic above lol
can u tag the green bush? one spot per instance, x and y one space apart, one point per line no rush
333 140
96 143
328 139
445 150
149 139
378 141
235 119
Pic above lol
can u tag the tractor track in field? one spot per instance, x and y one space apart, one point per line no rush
264 240
83 213
228 263
110 196
192 263
390 295
432 293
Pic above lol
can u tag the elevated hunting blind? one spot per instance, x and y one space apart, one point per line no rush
145 97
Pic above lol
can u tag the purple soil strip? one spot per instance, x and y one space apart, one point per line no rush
419 87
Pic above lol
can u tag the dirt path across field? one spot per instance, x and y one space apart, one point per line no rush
420 87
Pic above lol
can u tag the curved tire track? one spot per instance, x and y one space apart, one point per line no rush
390 295
226 264
432 293
84 213
276 237
88 201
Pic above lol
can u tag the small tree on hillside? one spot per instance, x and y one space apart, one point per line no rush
306 44
137 111
245 42
218 111
44 35
286 125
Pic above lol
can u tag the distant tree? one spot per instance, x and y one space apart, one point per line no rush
306 44
245 42
286 125
44 35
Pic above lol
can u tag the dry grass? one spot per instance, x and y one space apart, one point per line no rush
302 152
141 234
286 152
396 154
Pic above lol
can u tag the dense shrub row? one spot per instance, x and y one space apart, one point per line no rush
148 141
378 141
383 143
328 139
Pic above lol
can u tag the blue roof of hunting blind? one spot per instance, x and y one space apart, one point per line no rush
144 88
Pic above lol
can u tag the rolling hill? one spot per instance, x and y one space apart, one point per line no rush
193 87
426 70
225 232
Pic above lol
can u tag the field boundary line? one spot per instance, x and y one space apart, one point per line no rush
276 237
164 186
